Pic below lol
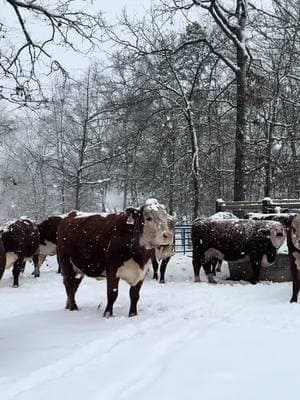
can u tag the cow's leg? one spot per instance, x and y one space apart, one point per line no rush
134 293
163 267
296 279
38 260
208 271
197 262
71 281
155 268
214 265
219 266
19 265
112 285
256 266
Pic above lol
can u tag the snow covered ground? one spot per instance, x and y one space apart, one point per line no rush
189 341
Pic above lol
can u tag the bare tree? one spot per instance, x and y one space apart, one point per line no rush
24 52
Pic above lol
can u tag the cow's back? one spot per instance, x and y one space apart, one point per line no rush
85 239
21 237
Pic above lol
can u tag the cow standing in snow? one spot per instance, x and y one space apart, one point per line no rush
48 241
293 242
2 259
21 242
233 240
119 244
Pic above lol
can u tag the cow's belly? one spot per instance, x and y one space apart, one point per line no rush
49 249
91 270
213 253
11 258
131 272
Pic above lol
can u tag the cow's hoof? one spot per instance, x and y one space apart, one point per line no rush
132 314
162 282
107 314
37 275
155 277
253 282
211 279
72 307
293 300
15 286
197 279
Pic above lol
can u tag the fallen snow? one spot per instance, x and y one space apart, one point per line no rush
189 341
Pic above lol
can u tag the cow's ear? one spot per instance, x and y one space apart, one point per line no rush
132 214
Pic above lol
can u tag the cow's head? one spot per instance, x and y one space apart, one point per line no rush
275 231
295 232
153 221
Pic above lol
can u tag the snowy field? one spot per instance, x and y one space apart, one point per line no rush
189 341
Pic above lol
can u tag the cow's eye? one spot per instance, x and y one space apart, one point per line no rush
148 219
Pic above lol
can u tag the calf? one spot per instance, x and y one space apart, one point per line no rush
21 242
163 254
119 244
48 241
232 240
293 242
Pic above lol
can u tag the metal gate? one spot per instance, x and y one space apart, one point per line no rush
183 240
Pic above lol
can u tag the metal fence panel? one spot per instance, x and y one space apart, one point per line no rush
183 240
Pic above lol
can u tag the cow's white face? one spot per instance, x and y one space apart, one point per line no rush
156 231
295 232
277 234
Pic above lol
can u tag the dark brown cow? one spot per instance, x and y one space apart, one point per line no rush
293 242
2 259
233 240
21 241
48 241
120 244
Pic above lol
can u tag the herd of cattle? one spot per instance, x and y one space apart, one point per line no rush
123 246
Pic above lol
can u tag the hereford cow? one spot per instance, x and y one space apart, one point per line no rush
233 240
163 254
21 242
293 242
119 244
2 259
48 241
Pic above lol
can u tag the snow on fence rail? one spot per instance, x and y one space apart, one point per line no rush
265 206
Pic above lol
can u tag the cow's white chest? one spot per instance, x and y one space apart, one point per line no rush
132 273
49 249
11 258
296 256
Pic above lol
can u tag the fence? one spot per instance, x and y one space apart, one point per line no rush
265 206
183 240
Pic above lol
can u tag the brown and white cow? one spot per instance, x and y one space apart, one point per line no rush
293 242
48 241
233 240
119 244
21 242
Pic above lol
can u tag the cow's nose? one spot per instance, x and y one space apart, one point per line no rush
167 235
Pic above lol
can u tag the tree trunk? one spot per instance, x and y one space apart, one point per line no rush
239 167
